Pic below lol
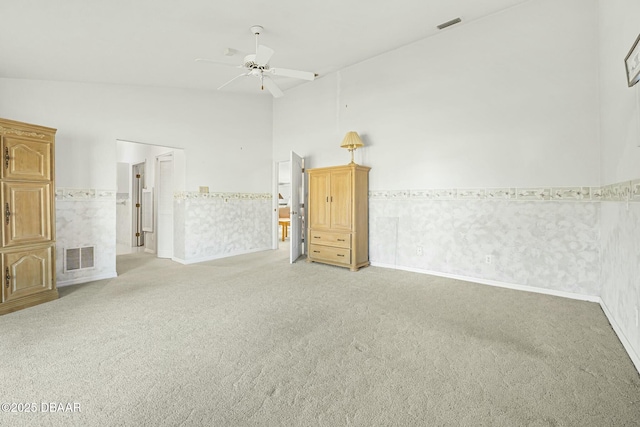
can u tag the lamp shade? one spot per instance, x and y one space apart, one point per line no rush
352 141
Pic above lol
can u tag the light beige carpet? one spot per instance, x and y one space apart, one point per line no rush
252 340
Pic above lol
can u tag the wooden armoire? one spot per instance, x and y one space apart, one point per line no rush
28 232
338 216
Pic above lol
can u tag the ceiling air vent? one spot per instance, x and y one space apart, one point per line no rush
449 23
79 258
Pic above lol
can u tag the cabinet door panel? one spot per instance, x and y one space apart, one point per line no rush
319 200
26 159
27 213
26 272
341 200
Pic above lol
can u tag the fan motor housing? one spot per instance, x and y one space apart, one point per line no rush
251 64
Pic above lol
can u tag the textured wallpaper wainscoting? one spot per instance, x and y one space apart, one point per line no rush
546 245
215 225
620 237
542 237
86 217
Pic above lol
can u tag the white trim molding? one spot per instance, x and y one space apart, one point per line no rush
79 280
581 297
218 256
635 357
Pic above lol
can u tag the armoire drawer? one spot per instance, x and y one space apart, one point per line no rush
329 253
338 240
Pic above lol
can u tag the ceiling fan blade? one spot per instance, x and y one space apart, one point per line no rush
304 75
212 61
236 77
272 87
263 55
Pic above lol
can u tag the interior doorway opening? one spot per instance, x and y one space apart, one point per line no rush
148 176
289 197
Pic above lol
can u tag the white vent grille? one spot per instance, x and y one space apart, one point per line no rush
79 258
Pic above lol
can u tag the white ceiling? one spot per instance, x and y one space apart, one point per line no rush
155 42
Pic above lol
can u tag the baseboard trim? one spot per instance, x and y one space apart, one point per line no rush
496 283
77 281
220 256
635 358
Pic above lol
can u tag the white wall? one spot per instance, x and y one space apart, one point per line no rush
620 105
620 132
509 100
483 140
226 139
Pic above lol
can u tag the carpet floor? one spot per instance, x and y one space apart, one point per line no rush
253 340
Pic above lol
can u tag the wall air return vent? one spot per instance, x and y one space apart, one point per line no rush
79 258
449 23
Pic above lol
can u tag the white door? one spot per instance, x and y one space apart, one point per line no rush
164 184
297 203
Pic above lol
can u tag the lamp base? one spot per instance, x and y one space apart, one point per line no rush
351 150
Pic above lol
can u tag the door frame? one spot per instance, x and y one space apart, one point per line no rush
136 197
167 229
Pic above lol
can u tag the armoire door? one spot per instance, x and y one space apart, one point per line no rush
26 272
26 208
340 200
26 159
319 205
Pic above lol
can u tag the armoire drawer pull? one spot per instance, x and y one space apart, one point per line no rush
316 252
7 278
342 255
7 213
7 158
317 237
341 240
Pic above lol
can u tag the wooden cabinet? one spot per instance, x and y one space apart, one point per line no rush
27 252
339 216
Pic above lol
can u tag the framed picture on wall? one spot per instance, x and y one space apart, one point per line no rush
632 62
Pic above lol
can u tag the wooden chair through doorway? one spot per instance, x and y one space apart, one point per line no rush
284 220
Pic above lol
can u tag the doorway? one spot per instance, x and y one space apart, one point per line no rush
145 204
289 197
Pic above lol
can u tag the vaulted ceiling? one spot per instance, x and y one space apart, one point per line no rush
155 42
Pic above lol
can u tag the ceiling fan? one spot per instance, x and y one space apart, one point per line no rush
258 65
